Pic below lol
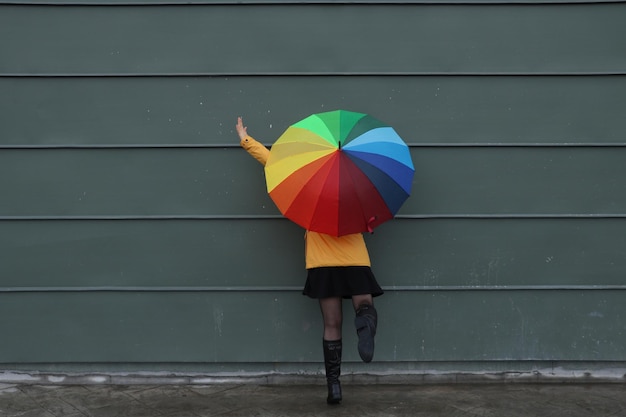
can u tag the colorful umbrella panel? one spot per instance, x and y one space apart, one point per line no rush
339 172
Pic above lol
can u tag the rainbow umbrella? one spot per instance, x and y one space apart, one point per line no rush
339 172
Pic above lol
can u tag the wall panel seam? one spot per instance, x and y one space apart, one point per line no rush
157 3
319 74
403 288
237 146
231 217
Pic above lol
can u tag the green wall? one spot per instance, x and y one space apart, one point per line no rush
136 234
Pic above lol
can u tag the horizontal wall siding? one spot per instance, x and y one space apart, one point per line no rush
197 327
555 180
134 230
215 255
316 38
108 111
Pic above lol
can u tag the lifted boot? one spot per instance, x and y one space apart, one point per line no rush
365 322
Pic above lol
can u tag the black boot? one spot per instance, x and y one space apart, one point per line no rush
332 361
365 322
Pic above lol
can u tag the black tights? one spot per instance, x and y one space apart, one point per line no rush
332 314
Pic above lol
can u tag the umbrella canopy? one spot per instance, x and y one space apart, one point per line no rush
339 172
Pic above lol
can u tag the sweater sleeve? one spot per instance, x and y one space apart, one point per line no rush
256 149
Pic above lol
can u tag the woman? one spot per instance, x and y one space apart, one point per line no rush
337 268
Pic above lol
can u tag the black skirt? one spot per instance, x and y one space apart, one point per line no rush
341 281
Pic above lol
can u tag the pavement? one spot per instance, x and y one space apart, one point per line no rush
363 400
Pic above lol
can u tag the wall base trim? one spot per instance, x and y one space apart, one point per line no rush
313 374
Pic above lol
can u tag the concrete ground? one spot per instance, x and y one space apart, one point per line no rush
462 400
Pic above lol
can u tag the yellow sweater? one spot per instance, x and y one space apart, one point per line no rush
320 249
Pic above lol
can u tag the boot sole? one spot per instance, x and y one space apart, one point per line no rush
366 338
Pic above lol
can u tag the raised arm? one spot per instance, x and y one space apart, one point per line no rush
254 148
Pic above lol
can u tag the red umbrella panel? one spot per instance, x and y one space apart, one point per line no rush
339 172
